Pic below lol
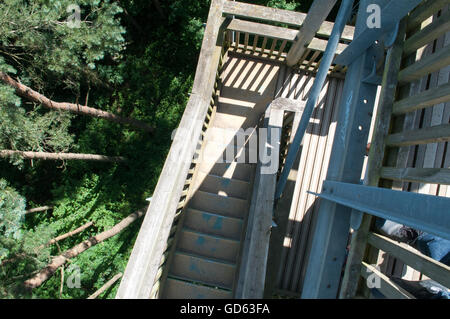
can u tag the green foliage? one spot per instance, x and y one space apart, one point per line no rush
12 212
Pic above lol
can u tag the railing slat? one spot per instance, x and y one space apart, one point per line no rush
425 66
433 134
440 94
292 18
412 257
428 34
421 175
387 287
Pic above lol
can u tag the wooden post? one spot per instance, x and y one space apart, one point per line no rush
316 16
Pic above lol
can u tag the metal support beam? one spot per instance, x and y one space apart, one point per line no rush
423 212
331 233
316 16
343 15
389 17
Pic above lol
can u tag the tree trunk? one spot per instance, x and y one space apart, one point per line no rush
52 241
38 209
62 156
105 286
31 95
66 235
60 260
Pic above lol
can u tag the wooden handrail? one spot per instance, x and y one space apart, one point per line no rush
252 273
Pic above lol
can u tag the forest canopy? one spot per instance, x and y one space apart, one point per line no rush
90 92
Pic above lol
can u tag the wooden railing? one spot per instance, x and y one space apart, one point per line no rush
409 150
252 272
255 30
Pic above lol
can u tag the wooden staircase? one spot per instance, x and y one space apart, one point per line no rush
206 256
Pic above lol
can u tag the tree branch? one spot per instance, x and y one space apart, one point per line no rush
31 95
60 260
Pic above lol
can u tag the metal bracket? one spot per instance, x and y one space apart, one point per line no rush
389 38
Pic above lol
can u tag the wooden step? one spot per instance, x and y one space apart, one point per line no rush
230 121
218 204
178 289
203 270
223 186
226 136
215 152
208 246
213 224
239 171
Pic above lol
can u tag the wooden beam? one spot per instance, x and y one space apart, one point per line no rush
432 31
433 134
314 19
421 175
262 30
252 275
246 10
425 66
387 287
424 10
412 257
430 97
291 18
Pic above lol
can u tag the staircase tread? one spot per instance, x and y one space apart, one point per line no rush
215 214
186 229
199 283
222 196
209 259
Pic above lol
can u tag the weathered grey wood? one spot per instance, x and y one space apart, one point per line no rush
440 94
206 222
424 10
240 9
216 247
412 257
252 274
206 271
292 18
428 34
429 64
316 16
421 175
388 288
177 289
289 105
262 29
433 134
150 244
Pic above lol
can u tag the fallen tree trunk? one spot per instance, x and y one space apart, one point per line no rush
105 286
66 235
52 241
62 156
60 260
31 95
38 209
